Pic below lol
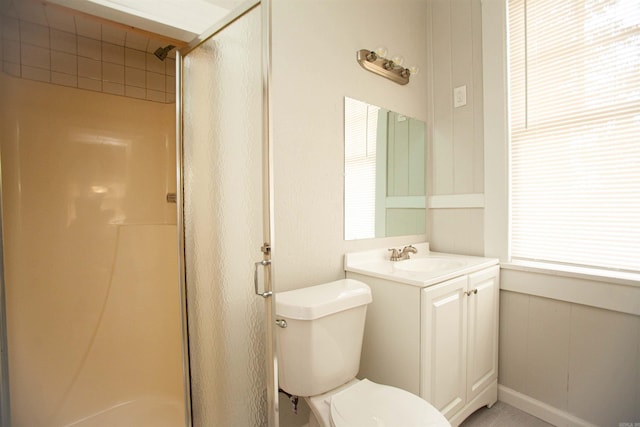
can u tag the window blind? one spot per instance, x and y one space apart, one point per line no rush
360 135
574 88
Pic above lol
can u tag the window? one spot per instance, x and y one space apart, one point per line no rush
574 77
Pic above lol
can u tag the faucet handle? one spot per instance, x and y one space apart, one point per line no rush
395 255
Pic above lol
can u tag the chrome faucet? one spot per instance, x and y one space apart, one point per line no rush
397 255
407 250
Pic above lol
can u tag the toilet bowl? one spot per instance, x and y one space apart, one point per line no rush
319 341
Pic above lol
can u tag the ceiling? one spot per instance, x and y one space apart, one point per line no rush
177 20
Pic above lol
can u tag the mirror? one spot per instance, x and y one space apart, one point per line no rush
384 172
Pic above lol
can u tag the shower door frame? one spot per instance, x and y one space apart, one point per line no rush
270 357
5 402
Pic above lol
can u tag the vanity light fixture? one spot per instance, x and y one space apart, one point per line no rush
390 68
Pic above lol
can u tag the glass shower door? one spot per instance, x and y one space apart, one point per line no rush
224 216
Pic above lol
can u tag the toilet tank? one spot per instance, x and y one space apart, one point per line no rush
320 347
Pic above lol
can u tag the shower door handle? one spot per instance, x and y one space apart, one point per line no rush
263 263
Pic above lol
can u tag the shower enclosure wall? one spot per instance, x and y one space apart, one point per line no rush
90 247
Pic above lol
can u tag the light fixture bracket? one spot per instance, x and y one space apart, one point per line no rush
383 66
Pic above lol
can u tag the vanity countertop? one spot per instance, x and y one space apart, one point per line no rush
423 269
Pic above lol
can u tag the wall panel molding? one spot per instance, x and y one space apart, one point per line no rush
456 201
614 295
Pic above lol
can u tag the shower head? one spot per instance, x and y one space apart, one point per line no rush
162 52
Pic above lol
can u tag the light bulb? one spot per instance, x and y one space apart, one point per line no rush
398 60
414 70
381 51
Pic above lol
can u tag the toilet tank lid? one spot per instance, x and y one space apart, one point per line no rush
322 300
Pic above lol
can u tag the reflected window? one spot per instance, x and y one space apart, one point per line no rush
360 129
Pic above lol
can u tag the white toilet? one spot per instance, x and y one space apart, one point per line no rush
319 343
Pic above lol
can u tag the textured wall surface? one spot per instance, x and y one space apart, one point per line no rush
314 68
308 105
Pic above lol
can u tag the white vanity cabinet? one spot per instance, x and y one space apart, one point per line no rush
438 341
459 343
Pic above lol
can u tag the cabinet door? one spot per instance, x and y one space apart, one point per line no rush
482 359
444 342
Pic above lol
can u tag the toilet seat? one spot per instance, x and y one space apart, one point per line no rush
366 403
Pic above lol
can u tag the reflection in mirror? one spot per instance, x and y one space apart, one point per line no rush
384 177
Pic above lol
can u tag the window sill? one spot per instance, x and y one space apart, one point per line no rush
585 273
604 289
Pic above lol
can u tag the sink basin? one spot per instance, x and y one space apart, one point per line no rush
428 264
424 269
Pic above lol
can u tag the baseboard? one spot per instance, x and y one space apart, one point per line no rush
539 409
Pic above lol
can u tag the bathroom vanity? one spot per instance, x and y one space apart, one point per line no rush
432 328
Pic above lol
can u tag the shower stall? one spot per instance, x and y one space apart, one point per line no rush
92 305
123 308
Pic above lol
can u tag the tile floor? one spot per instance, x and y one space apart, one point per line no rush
502 415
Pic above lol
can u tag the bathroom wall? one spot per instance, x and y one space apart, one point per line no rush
455 217
90 245
578 359
563 355
314 68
